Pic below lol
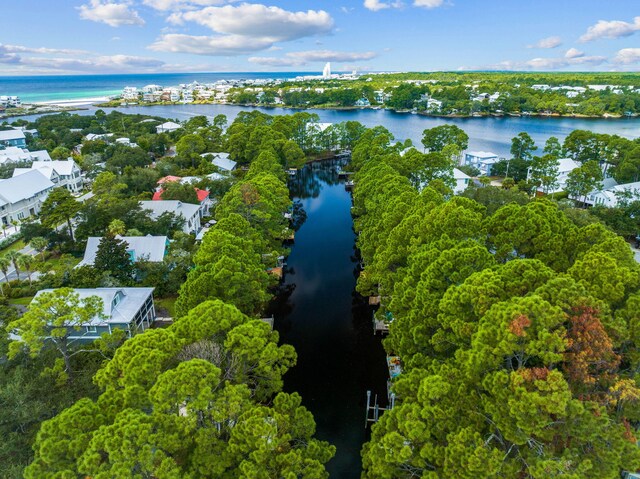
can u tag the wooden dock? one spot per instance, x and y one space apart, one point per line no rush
374 300
269 321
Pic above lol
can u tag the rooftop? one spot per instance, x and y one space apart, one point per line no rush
151 248
119 304
21 187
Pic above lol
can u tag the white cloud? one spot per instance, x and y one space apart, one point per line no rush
375 5
549 42
256 20
305 57
611 29
627 56
112 13
242 29
221 45
573 53
108 63
55 51
165 5
573 58
428 3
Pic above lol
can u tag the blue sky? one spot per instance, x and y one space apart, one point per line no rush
127 36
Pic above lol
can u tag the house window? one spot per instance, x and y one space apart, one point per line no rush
91 329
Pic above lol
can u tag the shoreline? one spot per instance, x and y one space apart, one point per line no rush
606 116
59 106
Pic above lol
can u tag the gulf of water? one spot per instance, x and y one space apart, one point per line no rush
73 87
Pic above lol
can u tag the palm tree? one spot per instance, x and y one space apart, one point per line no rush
39 244
4 266
14 257
26 261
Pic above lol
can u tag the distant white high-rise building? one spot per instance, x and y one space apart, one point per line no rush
326 72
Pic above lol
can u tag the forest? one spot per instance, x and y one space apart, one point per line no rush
515 322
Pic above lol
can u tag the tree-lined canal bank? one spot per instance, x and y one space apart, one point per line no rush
329 325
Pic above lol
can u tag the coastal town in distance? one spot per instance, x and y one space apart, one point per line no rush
310 240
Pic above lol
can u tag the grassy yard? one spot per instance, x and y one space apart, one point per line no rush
14 247
165 306
21 301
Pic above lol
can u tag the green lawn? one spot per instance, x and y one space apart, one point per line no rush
14 247
21 301
168 304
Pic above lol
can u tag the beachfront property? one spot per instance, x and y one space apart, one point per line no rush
10 101
129 309
151 93
22 196
64 173
221 161
149 248
482 160
168 127
189 212
130 93
13 154
13 137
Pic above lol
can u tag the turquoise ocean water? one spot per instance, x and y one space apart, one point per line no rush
72 87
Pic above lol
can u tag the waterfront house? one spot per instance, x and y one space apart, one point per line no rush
189 212
13 138
129 309
60 172
151 248
22 196
168 127
482 160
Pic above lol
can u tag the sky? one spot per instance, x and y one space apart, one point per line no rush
151 36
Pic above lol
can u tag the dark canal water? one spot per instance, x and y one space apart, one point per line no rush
320 314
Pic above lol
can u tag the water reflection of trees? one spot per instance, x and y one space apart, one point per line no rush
309 180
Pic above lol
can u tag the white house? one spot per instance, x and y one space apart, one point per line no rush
13 138
221 160
482 160
130 309
61 172
612 193
168 127
190 213
22 196
13 154
565 166
151 248
462 181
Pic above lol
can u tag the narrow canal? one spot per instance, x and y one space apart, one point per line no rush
319 313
